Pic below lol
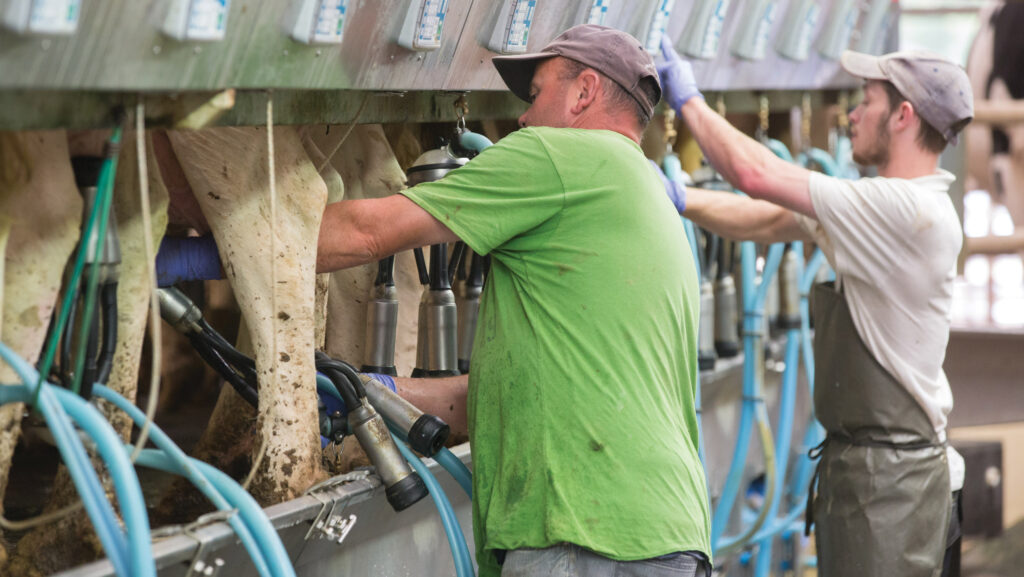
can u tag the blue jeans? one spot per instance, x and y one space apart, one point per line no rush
568 560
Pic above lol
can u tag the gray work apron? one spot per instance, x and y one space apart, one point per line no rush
883 498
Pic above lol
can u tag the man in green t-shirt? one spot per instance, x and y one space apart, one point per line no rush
581 392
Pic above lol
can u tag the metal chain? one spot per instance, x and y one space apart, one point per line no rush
461 111
805 121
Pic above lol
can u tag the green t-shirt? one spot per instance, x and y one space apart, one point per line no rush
581 408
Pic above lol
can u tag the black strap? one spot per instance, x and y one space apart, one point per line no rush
815 455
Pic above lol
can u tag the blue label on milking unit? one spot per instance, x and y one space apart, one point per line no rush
810 21
329 26
658 23
598 12
517 32
709 45
764 27
431 23
207 19
54 16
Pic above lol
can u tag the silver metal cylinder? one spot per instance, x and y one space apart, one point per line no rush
771 300
469 310
706 327
179 311
438 324
727 340
789 291
375 439
381 327
399 411
109 255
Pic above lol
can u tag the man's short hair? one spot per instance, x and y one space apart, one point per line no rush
927 136
615 95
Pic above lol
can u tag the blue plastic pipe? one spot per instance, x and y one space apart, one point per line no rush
787 407
801 478
184 467
456 540
457 469
474 141
238 498
83 476
126 484
778 149
753 327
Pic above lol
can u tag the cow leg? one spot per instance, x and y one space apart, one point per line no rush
227 170
41 203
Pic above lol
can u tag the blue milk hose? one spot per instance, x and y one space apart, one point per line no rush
82 474
126 484
456 540
753 402
182 465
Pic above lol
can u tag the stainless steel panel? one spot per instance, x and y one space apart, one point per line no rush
382 542
728 72
118 47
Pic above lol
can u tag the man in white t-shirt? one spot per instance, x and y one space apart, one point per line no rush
886 501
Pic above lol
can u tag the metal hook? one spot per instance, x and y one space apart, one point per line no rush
461 110
670 129
805 121
844 111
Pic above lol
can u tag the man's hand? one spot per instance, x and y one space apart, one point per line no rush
676 191
678 84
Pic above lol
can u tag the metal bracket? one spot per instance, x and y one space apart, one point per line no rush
326 524
199 566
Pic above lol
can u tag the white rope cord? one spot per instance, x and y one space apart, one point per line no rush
273 272
154 304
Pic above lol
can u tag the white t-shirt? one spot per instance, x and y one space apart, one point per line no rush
893 244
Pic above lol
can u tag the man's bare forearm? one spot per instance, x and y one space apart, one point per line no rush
355 232
444 398
741 218
746 163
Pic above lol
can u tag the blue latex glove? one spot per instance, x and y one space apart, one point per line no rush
678 84
676 191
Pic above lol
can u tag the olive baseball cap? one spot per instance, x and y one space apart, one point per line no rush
938 89
611 52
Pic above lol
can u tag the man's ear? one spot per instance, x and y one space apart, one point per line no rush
585 90
904 116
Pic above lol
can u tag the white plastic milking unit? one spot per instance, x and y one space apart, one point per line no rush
704 29
875 25
797 33
423 25
195 20
598 12
658 22
42 17
838 28
750 41
317 21
512 31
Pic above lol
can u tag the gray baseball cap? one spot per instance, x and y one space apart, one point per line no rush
611 52
938 89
